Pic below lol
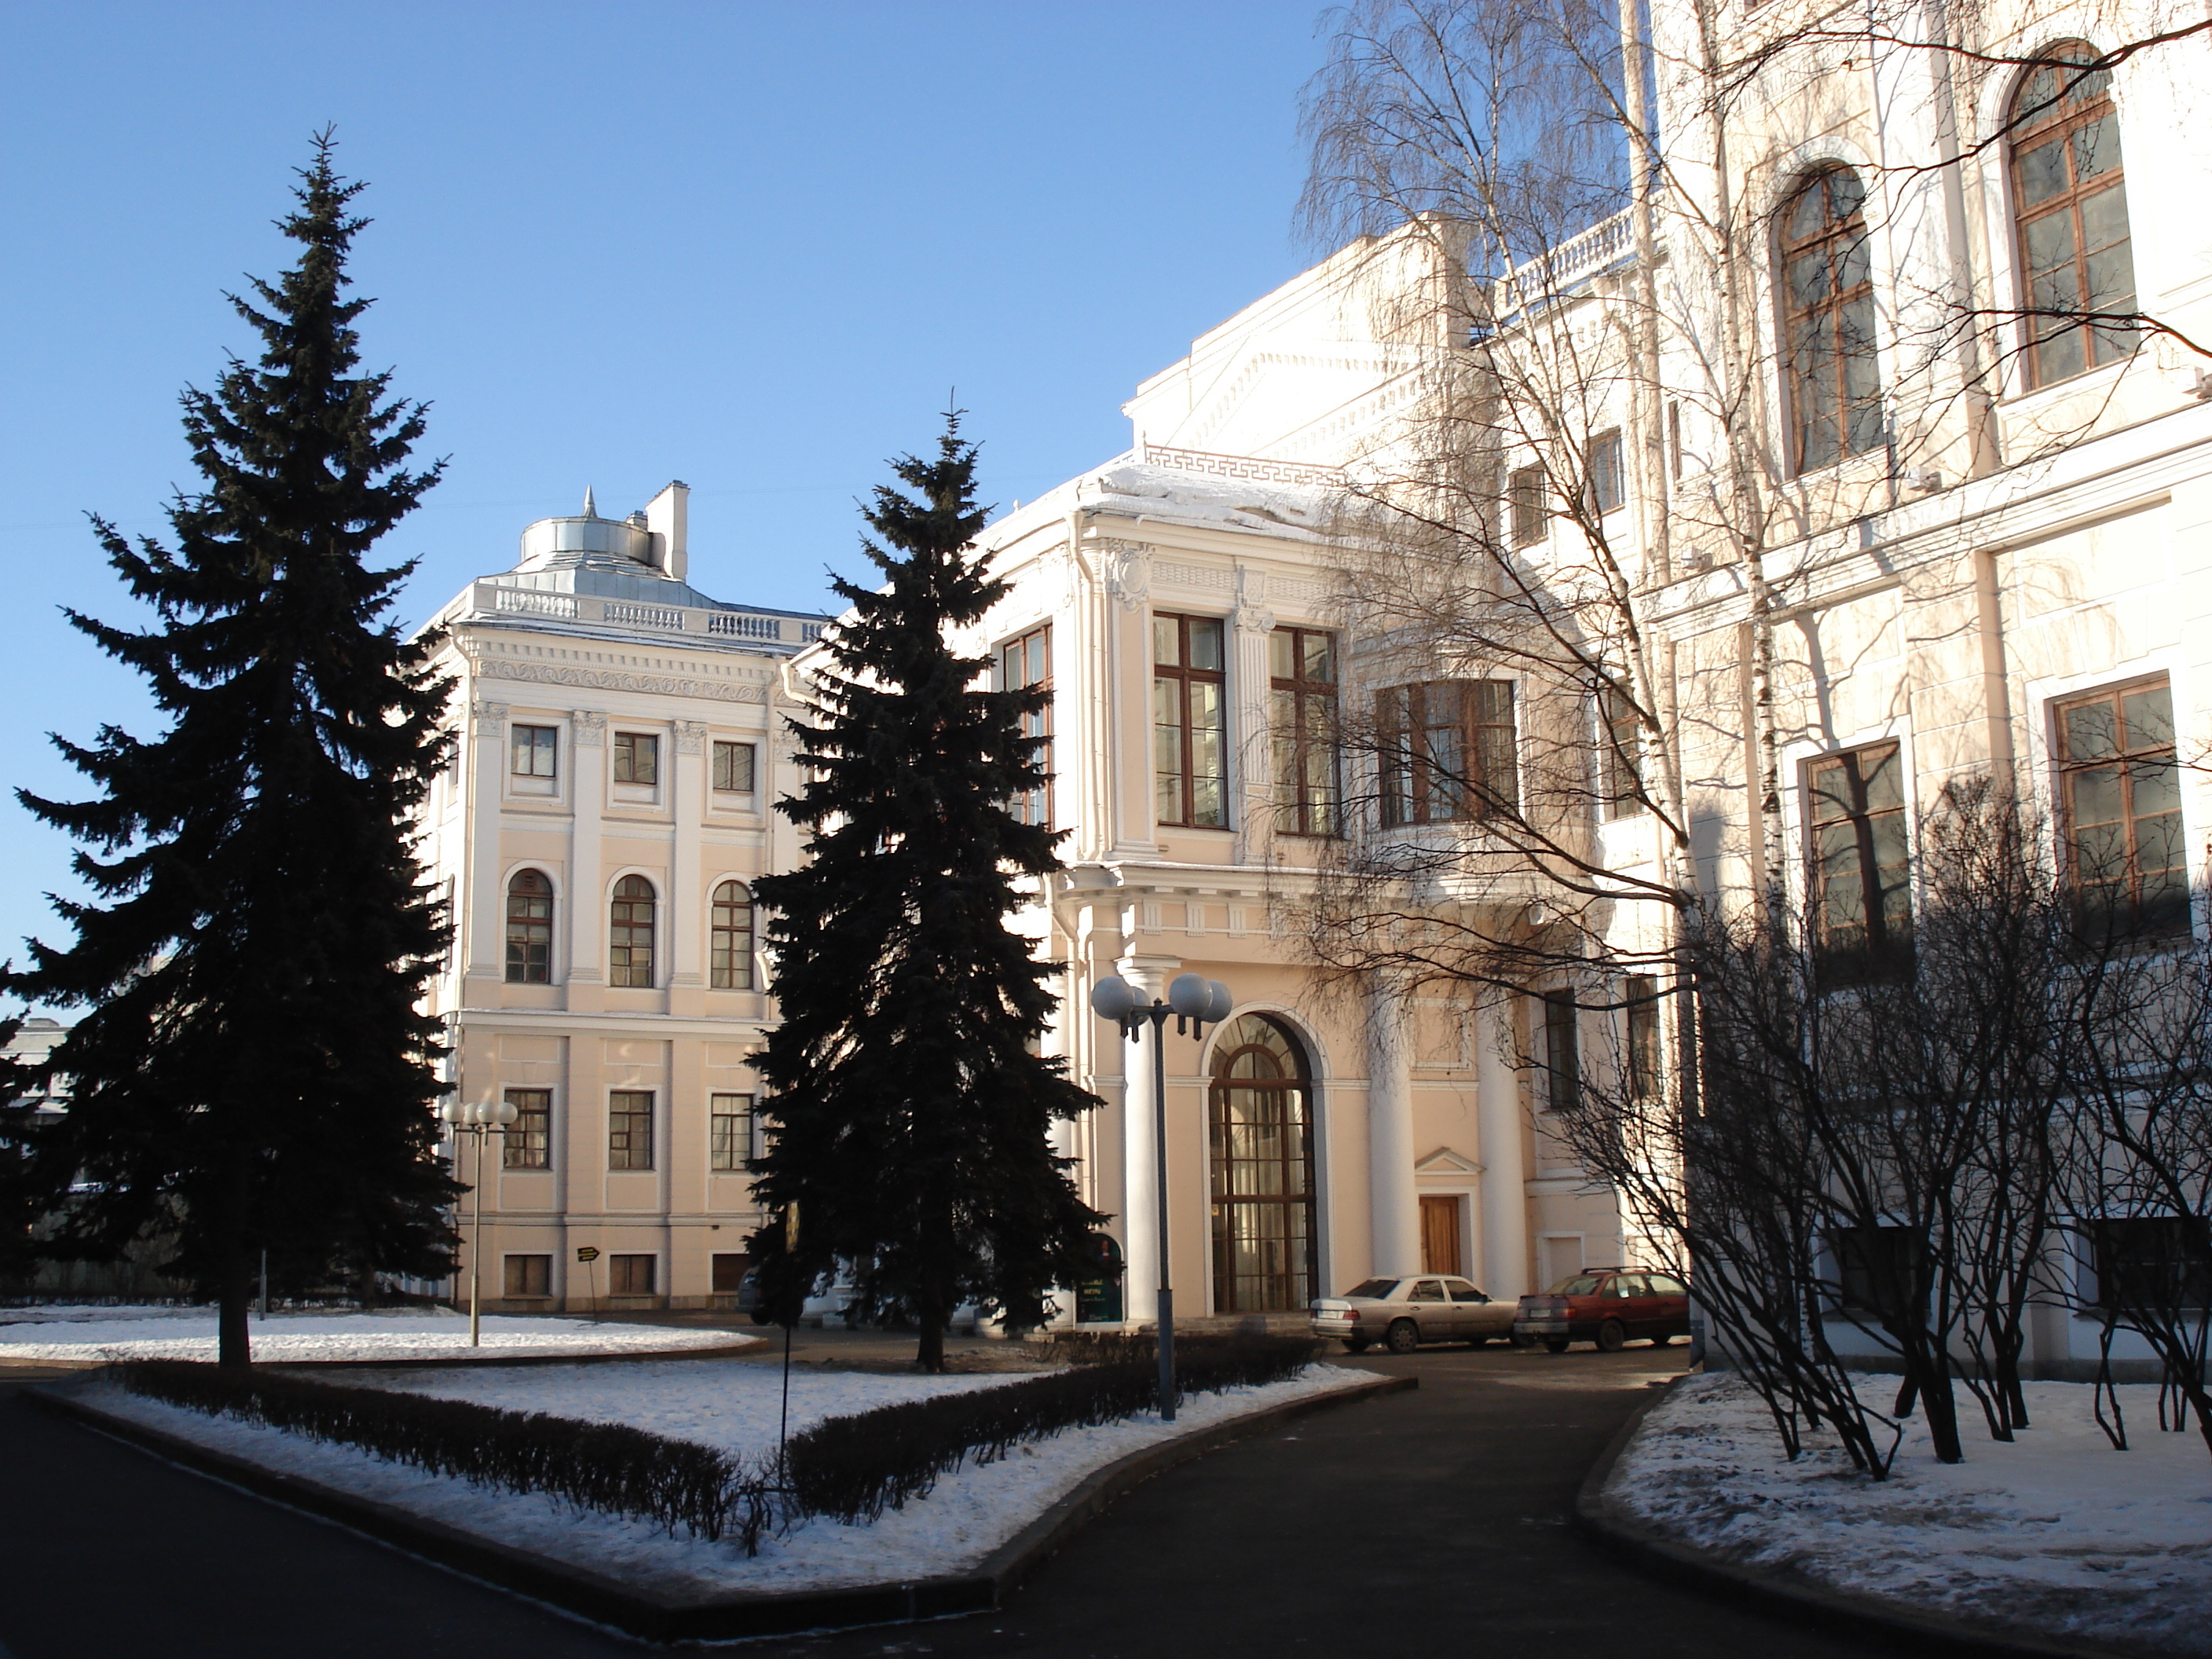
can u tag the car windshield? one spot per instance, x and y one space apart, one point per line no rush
1580 1285
1380 1289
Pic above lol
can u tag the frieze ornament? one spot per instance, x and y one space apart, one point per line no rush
1127 566
607 679
691 738
591 728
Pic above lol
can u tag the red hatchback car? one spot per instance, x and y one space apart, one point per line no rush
1609 1306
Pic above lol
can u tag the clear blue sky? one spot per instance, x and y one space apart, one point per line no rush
748 246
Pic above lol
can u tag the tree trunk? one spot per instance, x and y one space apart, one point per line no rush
233 1336
931 1354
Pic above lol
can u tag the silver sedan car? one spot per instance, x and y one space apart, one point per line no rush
1401 1314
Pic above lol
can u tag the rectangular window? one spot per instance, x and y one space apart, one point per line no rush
531 750
1674 442
1608 474
1302 689
728 1268
2147 1263
1189 722
1879 1270
1642 1037
1619 757
729 1132
1563 1059
2121 795
733 769
1448 751
629 1130
631 1275
530 1137
529 1275
637 758
1527 507
1025 664
1861 902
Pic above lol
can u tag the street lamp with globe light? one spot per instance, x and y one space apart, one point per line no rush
478 1118
1196 1003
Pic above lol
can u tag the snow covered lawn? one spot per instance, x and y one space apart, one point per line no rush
28 1335
969 1513
2057 1532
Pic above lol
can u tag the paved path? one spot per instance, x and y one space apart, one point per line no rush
1431 1523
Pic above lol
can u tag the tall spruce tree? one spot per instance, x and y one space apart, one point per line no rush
253 1072
911 1115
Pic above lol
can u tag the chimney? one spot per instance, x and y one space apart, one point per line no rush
668 516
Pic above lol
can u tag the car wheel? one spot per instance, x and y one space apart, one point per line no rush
1556 1344
1357 1345
1403 1336
1612 1336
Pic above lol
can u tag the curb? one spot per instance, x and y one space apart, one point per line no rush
730 1351
1640 1544
670 1618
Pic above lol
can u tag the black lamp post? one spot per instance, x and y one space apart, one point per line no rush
1196 1003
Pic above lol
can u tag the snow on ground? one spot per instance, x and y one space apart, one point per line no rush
969 1514
2056 1532
28 1335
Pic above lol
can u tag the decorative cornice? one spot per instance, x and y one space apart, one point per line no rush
591 728
604 679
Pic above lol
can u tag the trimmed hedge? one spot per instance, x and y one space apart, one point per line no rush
849 1469
855 1467
609 1467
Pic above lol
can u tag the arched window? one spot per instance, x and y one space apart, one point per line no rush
2071 207
529 929
630 932
1827 290
1261 1135
729 961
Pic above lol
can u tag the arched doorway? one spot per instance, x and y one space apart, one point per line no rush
1261 1135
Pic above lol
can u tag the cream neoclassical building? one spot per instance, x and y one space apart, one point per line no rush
1986 530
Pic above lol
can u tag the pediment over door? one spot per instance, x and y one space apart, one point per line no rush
1446 1162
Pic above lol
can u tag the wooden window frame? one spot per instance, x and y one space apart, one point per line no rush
1836 787
2170 913
517 1285
728 749
2070 105
1419 787
1608 473
529 952
1563 1051
528 1142
1843 307
1642 1047
630 932
1025 664
1303 716
1294 1195
637 759
1619 757
1528 513
728 1149
624 1135
1178 680
730 937
544 745
626 1262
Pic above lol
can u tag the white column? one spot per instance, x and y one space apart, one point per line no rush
1504 1165
485 952
586 903
1250 681
1395 1211
687 800
1141 1165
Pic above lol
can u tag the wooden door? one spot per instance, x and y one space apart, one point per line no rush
1440 1235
